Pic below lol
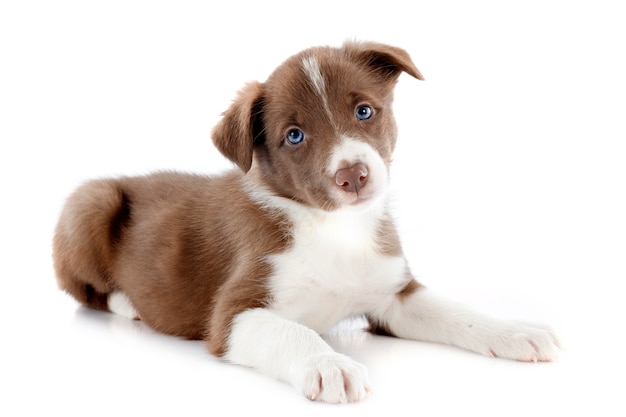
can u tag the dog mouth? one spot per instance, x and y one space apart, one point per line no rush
356 199
337 201
359 200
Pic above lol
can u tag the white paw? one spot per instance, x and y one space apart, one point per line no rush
331 378
522 341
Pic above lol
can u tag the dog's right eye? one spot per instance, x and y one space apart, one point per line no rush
295 136
363 112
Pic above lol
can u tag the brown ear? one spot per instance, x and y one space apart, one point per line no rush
241 126
388 61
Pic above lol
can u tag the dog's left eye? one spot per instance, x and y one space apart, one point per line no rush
295 136
363 112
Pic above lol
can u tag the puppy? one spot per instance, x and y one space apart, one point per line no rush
262 260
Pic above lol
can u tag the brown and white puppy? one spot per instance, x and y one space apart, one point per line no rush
260 261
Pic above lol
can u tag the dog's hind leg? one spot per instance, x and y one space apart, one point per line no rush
88 233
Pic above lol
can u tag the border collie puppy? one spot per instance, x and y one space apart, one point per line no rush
262 260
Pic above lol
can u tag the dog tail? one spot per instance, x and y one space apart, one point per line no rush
87 235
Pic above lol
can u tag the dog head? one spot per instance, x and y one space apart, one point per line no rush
320 130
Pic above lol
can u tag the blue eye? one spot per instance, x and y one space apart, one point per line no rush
295 136
363 112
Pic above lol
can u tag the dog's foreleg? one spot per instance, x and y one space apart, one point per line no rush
294 353
421 315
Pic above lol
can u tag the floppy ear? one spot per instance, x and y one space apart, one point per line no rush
387 61
241 126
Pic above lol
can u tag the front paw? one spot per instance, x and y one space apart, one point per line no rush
521 341
331 378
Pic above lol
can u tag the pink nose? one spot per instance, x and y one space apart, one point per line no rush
352 179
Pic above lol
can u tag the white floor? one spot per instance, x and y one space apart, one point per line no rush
510 174
59 358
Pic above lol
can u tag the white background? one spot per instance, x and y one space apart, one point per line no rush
510 178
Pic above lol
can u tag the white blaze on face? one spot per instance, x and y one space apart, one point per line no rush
312 70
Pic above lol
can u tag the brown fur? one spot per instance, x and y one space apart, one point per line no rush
189 251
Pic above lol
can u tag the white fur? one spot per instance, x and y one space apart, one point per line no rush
333 270
424 316
312 70
120 304
295 354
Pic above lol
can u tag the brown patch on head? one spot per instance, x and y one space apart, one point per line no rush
315 93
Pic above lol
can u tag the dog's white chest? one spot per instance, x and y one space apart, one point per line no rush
333 270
